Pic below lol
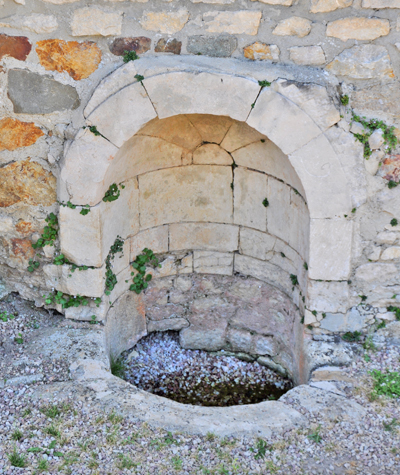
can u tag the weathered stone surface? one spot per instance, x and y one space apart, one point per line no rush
326 405
88 155
256 244
17 47
79 60
168 45
210 127
350 322
36 23
286 3
260 50
204 236
140 44
250 190
131 109
167 324
216 46
380 4
391 253
202 93
390 169
15 134
293 26
178 130
60 2
32 93
26 182
193 193
330 249
93 21
234 23
307 55
376 272
221 2
327 296
324 6
164 21
358 28
240 340
363 62
282 115
211 154
376 139
240 135
212 262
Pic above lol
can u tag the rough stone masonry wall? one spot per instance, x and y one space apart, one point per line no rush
54 53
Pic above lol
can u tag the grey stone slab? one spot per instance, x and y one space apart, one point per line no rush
32 93
216 46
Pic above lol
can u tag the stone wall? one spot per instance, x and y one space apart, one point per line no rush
54 54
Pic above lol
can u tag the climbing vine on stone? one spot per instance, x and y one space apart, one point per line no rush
49 234
140 278
113 193
67 301
111 278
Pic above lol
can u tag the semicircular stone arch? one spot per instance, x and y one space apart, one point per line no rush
284 121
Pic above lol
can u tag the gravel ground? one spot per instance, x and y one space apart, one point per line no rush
76 437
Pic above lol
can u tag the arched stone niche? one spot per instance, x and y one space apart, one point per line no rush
160 138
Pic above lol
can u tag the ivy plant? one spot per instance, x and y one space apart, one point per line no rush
130 56
111 278
113 193
49 234
140 278
67 301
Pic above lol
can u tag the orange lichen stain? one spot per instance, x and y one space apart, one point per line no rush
390 168
24 227
79 60
22 248
28 183
15 134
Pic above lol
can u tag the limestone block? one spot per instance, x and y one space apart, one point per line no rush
338 322
259 50
32 93
239 135
376 139
307 55
36 23
79 60
372 164
282 121
263 271
122 259
221 46
387 237
111 84
293 26
89 283
93 21
390 169
170 45
202 93
25 182
312 99
239 340
323 179
155 239
328 296
15 134
358 28
256 244
85 314
380 4
284 263
279 212
264 345
203 236
221 2
325 6
286 3
185 265
131 108
193 193
211 154
298 235
242 22
17 47
250 190
309 318
376 272
211 262
164 21
85 167
375 254
391 253
142 154
175 324
267 157
330 249
210 127
363 62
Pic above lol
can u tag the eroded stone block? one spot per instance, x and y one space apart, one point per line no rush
203 236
